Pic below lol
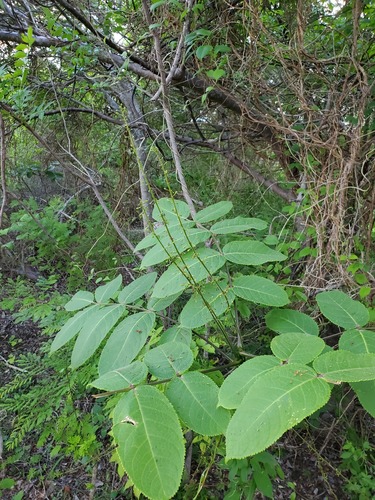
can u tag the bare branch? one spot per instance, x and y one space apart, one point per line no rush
2 168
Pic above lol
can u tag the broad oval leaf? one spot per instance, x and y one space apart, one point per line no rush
122 378
158 304
170 210
173 244
167 360
237 225
106 292
203 50
207 304
150 442
195 398
79 300
365 392
177 333
126 341
276 402
297 347
96 328
161 231
191 268
136 289
237 384
290 321
72 327
343 311
213 212
358 341
251 253
345 366
260 290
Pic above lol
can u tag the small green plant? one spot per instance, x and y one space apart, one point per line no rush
158 377
358 461
248 475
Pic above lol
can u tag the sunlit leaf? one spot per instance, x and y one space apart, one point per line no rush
149 442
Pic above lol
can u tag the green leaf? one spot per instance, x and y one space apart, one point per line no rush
122 378
96 328
126 341
290 321
260 290
276 402
195 398
251 253
7 483
207 304
161 231
80 300
174 243
170 210
342 310
136 289
106 292
297 347
167 360
237 225
196 265
365 392
72 327
345 366
358 341
213 212
157 304
176 333
215 74
237 384
203 51
150 442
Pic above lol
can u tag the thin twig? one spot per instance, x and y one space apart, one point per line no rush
167 110
2 168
